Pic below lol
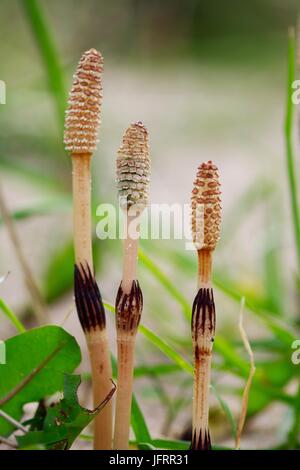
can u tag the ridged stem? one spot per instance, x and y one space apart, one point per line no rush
128 311
101 379
126 348
81 176
130 251
203 329
201 395
204 268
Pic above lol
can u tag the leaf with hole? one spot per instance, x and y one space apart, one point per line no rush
36 363
65 420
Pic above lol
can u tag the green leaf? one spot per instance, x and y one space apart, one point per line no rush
41 357
64 421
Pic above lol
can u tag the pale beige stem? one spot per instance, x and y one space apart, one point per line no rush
130 251
96 339
201 393
202 336
204 268
101 379
126 347
126 339
82 209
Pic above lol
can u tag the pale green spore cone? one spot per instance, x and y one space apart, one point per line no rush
133 167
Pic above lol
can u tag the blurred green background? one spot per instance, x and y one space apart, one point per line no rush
209 82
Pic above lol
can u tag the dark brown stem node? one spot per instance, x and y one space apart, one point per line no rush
204 315
88 299
129 308
201 441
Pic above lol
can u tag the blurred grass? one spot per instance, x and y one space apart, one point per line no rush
11 316
53 70
289 121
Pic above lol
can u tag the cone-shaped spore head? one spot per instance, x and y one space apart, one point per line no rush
84 105
206 207
133 167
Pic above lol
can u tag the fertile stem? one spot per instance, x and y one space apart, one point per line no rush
133 168
206 218
81 129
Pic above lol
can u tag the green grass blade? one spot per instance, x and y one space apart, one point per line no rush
278 327
156 370
165 348
227 287
45 43
238 364
12 317
48 206
168 444
34 176
165 282
226 410
138 422
289 121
